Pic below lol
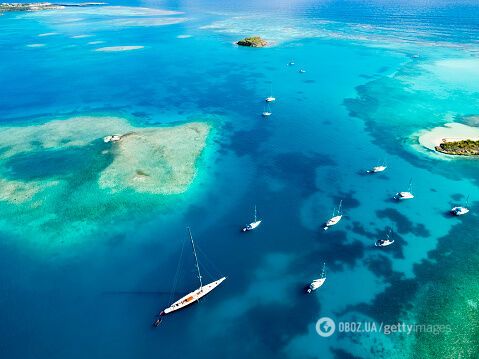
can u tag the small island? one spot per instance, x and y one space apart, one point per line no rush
452 139
459 148
29 6
39 6
254 41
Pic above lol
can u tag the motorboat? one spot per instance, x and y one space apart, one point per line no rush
460 210
112 138
377 169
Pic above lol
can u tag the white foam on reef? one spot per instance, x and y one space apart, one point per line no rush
118 48
75 19
35 45
120 11
96 42
291 29
183 36
146 22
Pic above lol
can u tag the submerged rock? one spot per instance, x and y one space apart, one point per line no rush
254 41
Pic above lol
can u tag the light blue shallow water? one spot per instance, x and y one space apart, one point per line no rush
349 110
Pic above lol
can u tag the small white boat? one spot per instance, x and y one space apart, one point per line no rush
460 210
270 99
316 283
112 138
291 63
193 296
385 242
377 169
302 71
405 195
254 224
267 112
337 215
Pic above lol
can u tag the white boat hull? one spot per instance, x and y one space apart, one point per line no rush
251 226
384 243
112 138
377 169
315 284
459 211
403 195
192 297
332 222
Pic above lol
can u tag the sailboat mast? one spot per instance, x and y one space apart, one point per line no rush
255 215
196 258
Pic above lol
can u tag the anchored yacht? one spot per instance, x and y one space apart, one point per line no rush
336 217
405 195
316 283
254 224
385 242
193 296
460 210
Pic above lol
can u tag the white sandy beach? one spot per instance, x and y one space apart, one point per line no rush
449 132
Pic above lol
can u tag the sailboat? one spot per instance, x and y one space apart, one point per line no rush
254 224
316 283
385 242
193 296
270 98
291 63
302 71
459 210
405 195
267 112
337 215
379 168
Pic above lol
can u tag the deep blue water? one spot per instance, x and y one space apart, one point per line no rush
96 298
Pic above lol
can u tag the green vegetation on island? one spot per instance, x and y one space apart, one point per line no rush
461 148
254 41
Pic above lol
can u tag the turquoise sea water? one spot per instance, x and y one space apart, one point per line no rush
376 73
